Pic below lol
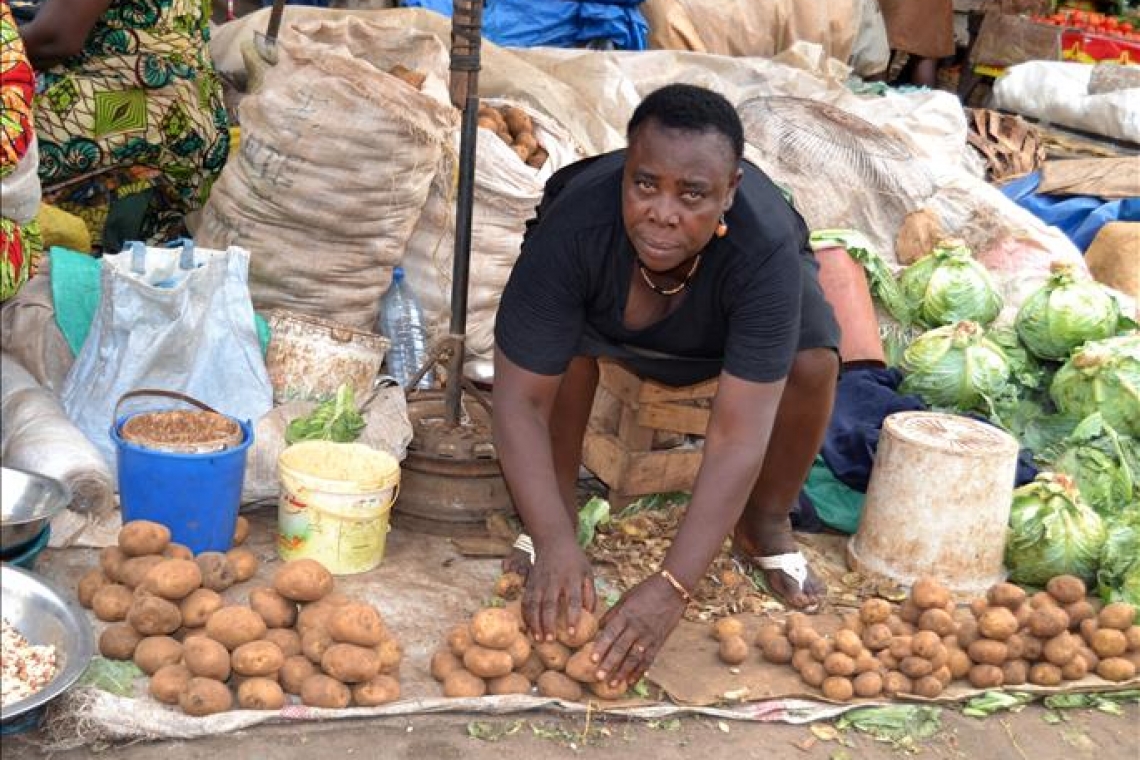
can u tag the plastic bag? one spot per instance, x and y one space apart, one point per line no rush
176 319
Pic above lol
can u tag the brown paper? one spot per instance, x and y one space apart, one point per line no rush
1100 177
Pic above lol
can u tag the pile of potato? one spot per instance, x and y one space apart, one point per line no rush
492 654
927 642
516 129
297 637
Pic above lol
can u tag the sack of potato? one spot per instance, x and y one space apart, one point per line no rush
924 644
492 654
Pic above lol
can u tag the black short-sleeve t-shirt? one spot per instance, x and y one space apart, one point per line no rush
567 291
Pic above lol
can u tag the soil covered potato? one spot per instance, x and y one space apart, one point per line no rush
1061 648
928 686
803 637
206 658
118 642
733 650
286 639
985 676
260 694
559 686
460 683
520 651
1109 642
173 579
1078 612
511 683
168 683
314 643
532 668
1116 669
838 688
390 653
1008 595
895 682
767 632
848 643
839 664
1119 616
217 572
154 616
357 623
1066 589
380 690
813 674
869 684
459 638
916 667
197 607
234 625
937 620
133 571
139 537
725 627
997 623
778 650
928 593
93 580
1075 669
959 663
1047 621
584 632
926 643
875 611
349 663
1044 674
1014 672
877 636
320 690
988 652
153 652
303 580
257 658
243 563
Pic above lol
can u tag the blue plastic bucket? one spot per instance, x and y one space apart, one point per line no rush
195 495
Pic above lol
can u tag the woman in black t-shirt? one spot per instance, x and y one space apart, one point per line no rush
682 263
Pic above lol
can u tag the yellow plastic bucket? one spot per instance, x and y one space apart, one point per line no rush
336 499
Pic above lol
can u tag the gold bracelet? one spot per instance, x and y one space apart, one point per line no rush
676 584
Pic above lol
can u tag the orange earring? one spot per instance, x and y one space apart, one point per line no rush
721 227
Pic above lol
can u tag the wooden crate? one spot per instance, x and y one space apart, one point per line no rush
629 421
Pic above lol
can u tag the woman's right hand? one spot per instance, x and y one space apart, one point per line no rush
560 584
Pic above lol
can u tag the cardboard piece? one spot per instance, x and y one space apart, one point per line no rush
1100 177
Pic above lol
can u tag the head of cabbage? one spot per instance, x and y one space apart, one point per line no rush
949 286
1102 376
955 366
1052 532
1064 313
1118 578
1104 464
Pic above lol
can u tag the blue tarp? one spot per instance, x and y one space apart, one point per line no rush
556 23
1080 217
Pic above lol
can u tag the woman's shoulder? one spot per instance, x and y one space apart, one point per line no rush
582 197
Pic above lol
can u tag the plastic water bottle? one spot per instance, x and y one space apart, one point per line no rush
402 322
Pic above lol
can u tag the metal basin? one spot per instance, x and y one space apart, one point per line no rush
44 615
27 504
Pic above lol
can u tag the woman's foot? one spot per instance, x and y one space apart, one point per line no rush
518 561
788 578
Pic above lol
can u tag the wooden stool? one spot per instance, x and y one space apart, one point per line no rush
629 417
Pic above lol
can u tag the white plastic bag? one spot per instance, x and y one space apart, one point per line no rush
176 319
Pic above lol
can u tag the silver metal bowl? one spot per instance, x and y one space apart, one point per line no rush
43 615
27 503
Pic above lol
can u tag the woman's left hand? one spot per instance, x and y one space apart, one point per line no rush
635 629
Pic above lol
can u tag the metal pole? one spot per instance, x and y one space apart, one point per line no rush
466 26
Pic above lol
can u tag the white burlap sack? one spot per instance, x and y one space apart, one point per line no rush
334 167
506 194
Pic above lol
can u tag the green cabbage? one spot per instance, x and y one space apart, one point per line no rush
949 286
955 366
1102 376
1118 579
1064 313
1052 532
1104 464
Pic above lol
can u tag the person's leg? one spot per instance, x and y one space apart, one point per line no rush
925 73
765 528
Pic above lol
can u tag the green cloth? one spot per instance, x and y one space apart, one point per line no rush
838 505
75 289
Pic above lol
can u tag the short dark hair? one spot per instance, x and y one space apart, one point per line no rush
689 107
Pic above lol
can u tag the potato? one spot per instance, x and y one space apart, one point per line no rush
1007 595
154 616
111 559
959 663
988 651
852 622
303 580
134 569
118 641
916 667
153 652
294 672
926 643
724 628
875 611
93 580
997 623
390 653
1116 669
459 639
901 647
257 659
286 639
495 628
241 530
443 663
848 642
1088 629
1031 647
511 683
939 656
803 637
985 676
274 609
320 690
796 620
1045 674
604 690
1014 672
895 682
928 593
1119 616
938 621
520 650
813 674
1047 621
380 690
559 686
139 537
1132 638
177 551
1060 649
173 579
491 113
350 663
1022 614
928 686
314 643
1066 589
839 664
532 668
538 159
206 658
821 648
243 563
1090 657
1108 642
778 650
868 684
112 602
553 654
866 662
1075 669
967 633
217 572
837 688
909 612
197 607
877 636
168 682
487 663
260 694
460 683
800 658
233 626
733 650
517 120
1079 612
356 623
580 667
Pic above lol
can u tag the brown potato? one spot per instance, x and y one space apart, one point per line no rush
233 626
1031 647
206 658
274 609
553 654
867 662
928 593
241 530
985 676
520 651
314 615
217 572
349 663
938 621
559 686
443 663
243 563
173 579
314 643
154 616
1023 613
260 694
197 607
875 611
168 682
1116 669
1066 589
1132 638
134 569
111 559
153 652
967 632
895 682
1045 674
928 686
488 663
112 602
837 688
580 667
839 664
1075 669
205 696
93 580
796 620
118 641
1007 595
294 671
303 580
848 642
494 628
800 658
1014 672
532 668
390 653
988 651
959 663
803 637
1061 648
997 623
459 639
517 120
1015 647
1088 629
916 667
1042 599
1047 621
320 690
538 158
868 684
778 650
175 550
877 636
257 659
723 628
525 143
1108 642
852 622
909 612
380 690
460 683
139 537
356 623
813 674
1119 616
1079 612
733 650
511 683
286 639
901 647
821 648
926 643
1090 657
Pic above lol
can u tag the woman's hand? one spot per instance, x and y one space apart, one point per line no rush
633 632
559 585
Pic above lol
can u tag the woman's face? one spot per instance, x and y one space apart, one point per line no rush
675 186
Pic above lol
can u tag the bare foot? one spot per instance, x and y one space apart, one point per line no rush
518 562
773 538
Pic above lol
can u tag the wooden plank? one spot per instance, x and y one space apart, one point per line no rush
660 471
633 435
683 419
619 381
653 392
605 412
604 455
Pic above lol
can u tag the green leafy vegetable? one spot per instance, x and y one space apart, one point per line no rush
900 725
1065 313
955 366
1118 579
949 286
1104 464
337 419
114 676
1103 376
593 513
881 280
1052 532
990 702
